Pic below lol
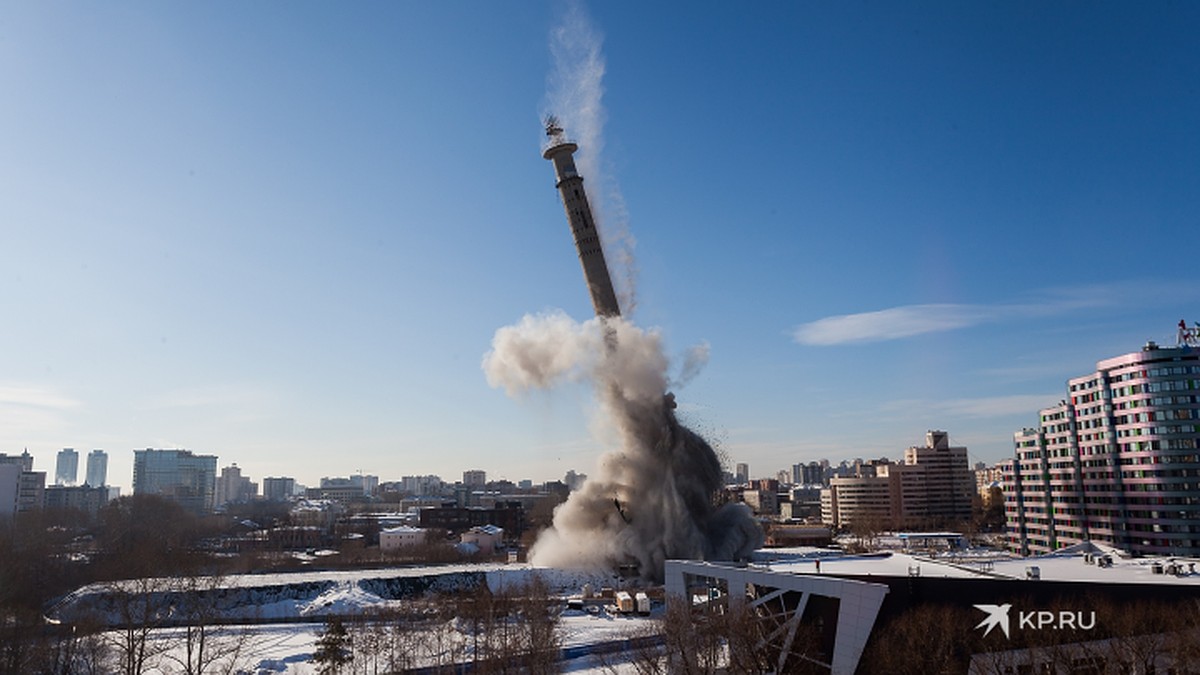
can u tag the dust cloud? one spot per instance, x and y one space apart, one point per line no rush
650 498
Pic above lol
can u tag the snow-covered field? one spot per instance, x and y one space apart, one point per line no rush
284 612
287 649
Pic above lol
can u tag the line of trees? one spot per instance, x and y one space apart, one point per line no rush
46 554
513 630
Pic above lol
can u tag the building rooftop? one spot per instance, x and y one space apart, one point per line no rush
402 529
1085 562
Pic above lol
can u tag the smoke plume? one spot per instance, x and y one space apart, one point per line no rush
650 498
575 92
693 362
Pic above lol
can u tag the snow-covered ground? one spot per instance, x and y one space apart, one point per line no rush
275 647
287 649
286 611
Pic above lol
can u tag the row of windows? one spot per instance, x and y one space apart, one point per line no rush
1161 473
1175 400
1155 387
1174 370
1159 430
1163 444
1127 375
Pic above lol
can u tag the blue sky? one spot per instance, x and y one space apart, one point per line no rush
285 233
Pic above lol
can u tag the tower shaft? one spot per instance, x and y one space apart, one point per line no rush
583 228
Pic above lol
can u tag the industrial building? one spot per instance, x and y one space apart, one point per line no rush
1117 461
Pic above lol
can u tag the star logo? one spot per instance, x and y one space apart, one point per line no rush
997 615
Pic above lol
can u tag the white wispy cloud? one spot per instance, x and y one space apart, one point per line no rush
223 396
893 323
909 320
232 403
32 413
989 406
35 397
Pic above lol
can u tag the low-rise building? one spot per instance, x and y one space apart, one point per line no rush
401 536
507 515
763 502
486 538
778 534
83 498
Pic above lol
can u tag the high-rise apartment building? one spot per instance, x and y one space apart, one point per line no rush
23 460
421 485
10 481
31 491
808 474
741 474
475 478
97 468
934 485
66 468
571 479
1117 461
21 488
278 489
234 488
368 483
180 475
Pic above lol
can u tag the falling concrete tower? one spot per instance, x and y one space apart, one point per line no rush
587 240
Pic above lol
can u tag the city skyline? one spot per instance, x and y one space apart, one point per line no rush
285 236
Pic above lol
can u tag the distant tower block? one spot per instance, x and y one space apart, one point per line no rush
579 215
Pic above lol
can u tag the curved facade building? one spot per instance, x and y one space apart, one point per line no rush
1117 462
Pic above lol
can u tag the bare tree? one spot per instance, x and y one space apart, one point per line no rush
92 654
137 607
694 640
919 643
74 649
645 653
371 642
204 645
